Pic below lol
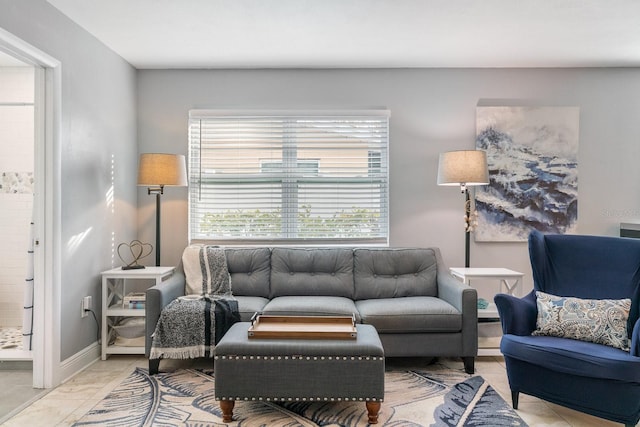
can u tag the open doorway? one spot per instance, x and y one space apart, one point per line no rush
47 208
17 167
45 353
19 126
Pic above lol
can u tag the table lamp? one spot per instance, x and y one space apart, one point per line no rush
157 170
464 168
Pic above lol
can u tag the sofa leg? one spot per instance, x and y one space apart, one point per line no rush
154 366
514 398
469 366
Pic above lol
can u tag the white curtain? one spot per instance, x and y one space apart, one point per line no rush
27 321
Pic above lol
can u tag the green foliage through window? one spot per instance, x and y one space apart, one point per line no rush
257 224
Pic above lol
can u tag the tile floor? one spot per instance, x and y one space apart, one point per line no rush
66 404
16 375
16 389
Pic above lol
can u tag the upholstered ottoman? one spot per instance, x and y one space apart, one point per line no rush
299 369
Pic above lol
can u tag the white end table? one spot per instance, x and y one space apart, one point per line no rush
509 281
114 289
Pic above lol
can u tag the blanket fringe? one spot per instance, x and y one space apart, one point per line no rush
180 353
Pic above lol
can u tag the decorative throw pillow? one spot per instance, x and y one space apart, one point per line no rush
601 321
206 271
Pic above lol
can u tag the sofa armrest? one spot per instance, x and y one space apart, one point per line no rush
517 315
452 291
465 299
158 297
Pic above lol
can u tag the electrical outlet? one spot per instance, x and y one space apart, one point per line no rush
86 306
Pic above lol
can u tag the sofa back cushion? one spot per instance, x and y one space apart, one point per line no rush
250 271
314 271
391 273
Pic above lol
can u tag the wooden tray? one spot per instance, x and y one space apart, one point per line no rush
303 327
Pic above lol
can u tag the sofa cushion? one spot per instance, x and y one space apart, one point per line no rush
312 306
410 315
248 306
312 271
392 273
250 271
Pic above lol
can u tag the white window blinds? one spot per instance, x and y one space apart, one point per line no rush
289 176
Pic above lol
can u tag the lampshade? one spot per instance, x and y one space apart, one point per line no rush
466 167
156 169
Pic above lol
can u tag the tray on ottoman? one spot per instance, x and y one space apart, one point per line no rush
302 327
285 369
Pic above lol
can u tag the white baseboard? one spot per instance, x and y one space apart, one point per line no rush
78 362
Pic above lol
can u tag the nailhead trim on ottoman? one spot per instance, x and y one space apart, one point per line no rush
299 370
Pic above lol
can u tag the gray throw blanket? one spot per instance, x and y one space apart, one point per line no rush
186 328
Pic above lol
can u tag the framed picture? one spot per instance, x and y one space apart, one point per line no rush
532 155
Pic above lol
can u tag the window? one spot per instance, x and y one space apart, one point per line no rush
289 177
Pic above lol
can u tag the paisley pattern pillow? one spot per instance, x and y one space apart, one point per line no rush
601 321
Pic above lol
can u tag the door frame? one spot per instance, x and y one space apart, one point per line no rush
47 208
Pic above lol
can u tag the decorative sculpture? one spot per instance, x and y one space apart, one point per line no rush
137 251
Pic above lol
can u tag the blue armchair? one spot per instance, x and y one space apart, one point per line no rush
593 378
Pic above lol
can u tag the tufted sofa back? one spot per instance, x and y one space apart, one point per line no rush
250 271
312 271
391 273
352 273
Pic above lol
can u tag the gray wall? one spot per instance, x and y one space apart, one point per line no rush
432 110
98 152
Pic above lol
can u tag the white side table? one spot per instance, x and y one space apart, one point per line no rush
508 281
114 288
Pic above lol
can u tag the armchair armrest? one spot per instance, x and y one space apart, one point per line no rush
465 299
517 315
635 340
158 297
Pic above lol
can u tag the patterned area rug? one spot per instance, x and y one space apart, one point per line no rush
413 398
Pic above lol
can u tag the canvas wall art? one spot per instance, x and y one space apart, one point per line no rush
532 154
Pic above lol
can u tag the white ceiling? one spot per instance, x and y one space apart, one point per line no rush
364 33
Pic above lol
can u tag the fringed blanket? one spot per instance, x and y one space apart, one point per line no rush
190 326
205 268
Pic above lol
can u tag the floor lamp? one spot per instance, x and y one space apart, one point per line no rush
464 168
157 170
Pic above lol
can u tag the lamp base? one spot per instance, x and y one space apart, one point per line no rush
132 267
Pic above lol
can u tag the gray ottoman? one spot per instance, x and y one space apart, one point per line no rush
299 370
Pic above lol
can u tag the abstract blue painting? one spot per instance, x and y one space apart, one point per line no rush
532 155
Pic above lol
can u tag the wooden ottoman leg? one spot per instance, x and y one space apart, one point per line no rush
227 410
373 408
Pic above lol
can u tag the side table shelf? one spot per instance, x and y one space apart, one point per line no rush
509 281
115 283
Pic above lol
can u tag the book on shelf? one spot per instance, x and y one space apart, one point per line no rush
136 304
134 297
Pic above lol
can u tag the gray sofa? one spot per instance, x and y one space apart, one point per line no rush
408 295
